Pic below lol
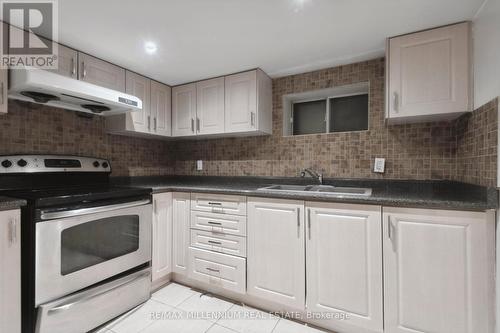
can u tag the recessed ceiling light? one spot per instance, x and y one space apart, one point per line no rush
299 5
150 47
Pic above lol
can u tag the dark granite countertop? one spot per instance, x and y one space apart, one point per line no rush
7 203
400 193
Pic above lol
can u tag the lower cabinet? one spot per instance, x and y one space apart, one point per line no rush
10 275
344 265
276 253
438 271
162 236
181 232
217 269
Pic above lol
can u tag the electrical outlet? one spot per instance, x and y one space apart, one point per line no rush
199 165
379 165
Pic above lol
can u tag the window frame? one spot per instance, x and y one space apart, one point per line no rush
290 100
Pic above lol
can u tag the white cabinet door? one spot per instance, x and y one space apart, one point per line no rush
181 232
344 264
67 62
210 106
184 110
438 271
100 72
4 81
10 277
241 102
161 111
275 254
139 86
162 235
429 73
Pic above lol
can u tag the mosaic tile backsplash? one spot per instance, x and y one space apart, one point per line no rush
32 128
413 151
464 150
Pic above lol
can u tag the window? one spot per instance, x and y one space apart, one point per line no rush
339 109
349 113
309 117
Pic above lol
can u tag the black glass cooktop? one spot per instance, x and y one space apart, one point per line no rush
75 194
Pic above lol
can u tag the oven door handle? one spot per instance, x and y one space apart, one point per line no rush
67 306
44 215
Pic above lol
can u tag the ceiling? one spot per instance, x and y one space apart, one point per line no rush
198 39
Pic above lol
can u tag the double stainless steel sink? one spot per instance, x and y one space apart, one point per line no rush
325 189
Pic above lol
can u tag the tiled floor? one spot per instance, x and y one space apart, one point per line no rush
179 309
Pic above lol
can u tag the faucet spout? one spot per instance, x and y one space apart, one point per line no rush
313 174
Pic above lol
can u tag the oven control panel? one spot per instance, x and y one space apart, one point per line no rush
52 163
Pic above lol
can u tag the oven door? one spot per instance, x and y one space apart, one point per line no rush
80 250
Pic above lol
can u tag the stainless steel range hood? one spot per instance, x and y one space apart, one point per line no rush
48 88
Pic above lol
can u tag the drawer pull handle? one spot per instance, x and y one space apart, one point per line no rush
213 270
215 203
214 242
213 222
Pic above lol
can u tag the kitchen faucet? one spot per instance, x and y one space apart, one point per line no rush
313 174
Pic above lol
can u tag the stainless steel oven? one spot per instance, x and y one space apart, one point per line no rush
77 248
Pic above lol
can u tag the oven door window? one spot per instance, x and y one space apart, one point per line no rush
98 241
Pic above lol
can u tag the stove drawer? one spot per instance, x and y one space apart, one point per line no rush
218 242
217 203
84 311
220 270
227 224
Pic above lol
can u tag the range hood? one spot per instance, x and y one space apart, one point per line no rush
48 88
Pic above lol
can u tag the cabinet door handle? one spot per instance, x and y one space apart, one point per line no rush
192 125
2 92
215 203
149 123
197 124
214 242
298 222
84 70
252 118
73 66
309 222
12 232
395 102
213 270
154 123
391 233
214 223
155 207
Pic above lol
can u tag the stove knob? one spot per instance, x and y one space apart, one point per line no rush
96 164
6 163
105 165
22 163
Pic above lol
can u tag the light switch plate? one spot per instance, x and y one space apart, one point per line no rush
379 165
199 165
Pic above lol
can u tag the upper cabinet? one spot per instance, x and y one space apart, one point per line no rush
139 86
248 103
239 104
101 73
184 110
67 62
4 80
210 106
154 118
429 75
161 108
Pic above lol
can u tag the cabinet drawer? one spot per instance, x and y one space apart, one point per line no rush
221 270
227 224
221 204
219 242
